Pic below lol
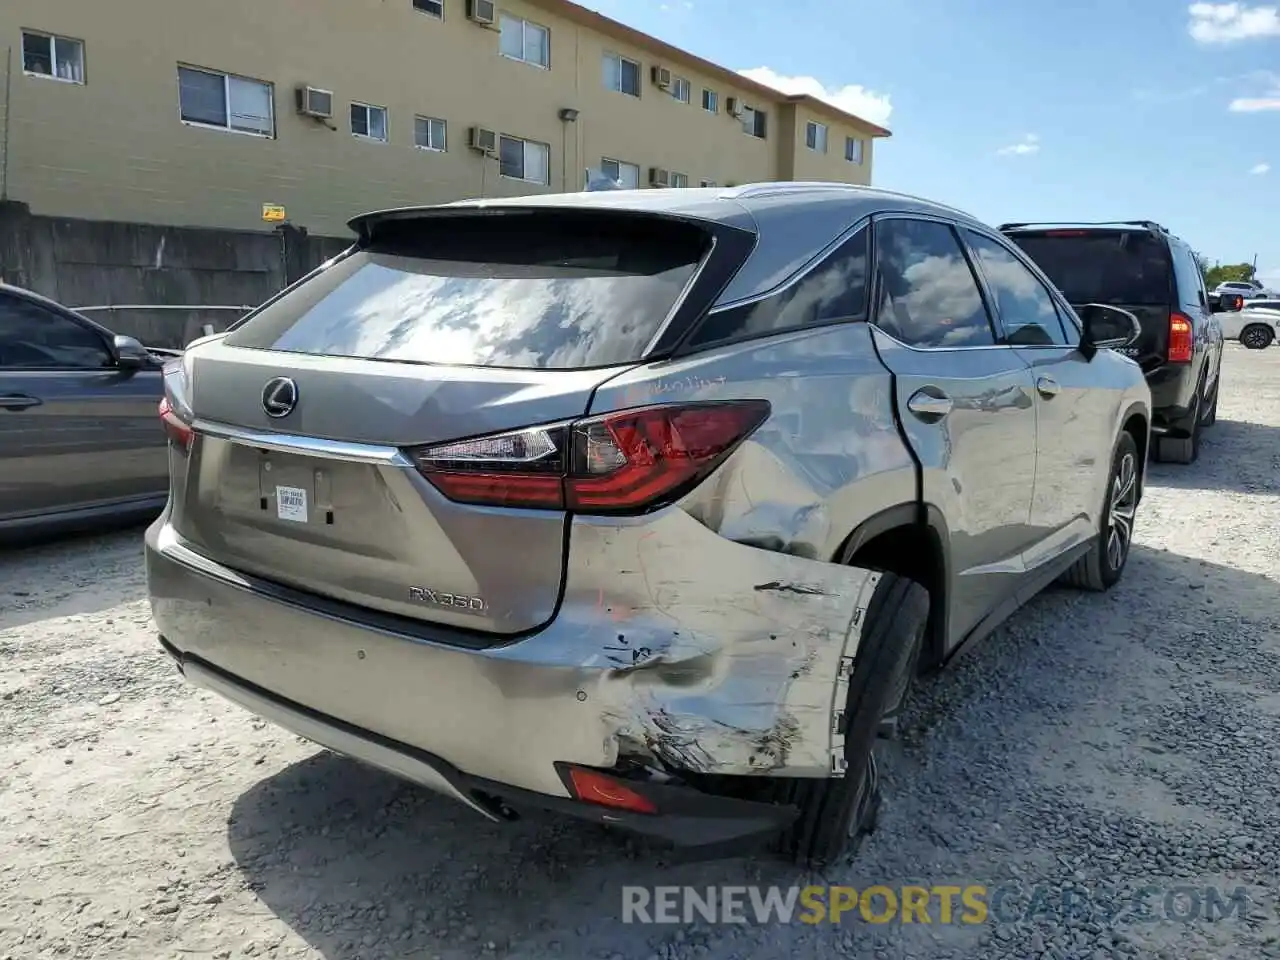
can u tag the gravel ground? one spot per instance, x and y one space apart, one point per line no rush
1102 743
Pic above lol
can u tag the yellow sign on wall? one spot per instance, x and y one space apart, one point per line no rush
272 212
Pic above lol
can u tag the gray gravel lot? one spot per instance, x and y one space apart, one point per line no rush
1102 743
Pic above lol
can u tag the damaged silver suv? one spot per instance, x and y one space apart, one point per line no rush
644 506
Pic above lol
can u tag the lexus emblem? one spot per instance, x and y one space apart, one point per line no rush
279 397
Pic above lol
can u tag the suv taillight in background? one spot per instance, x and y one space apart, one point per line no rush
627 462
1181 338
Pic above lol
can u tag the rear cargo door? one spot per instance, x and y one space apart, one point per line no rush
309 414
1127 268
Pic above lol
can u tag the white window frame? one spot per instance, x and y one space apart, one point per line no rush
525 25
618 165
679 180
851 154
53 39
428 13
386 122
821 136
749 115
610 55
714 97
526 144
226 99
444 133
681 85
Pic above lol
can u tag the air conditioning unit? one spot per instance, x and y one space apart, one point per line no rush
661 77
733 107
659 177
482 11
486 141
314 102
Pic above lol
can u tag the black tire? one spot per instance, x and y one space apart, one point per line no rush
835 813
1210 415
1101 568
1256 336
1183 449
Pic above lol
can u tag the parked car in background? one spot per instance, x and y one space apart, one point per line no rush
1249 289
1142 267
643 506
79 441
1257 326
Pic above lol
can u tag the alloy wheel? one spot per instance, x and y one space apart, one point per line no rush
1255 338
1121 511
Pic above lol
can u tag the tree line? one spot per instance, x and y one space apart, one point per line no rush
1217 273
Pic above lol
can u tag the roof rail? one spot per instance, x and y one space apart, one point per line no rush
1146 224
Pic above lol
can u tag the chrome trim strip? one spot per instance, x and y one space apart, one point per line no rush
306 446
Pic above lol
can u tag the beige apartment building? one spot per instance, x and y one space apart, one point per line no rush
217 113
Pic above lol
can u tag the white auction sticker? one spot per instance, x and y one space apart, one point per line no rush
291 504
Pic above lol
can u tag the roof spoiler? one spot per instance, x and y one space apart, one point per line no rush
1145 224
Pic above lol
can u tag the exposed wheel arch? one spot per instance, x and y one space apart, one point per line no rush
910 540
1138 424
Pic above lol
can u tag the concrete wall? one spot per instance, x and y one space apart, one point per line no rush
93 263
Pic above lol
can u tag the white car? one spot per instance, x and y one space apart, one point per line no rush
1249 289
1256 326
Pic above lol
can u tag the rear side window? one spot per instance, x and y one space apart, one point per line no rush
1125 267
1190 290
534 291
928 296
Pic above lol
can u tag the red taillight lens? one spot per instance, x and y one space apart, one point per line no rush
178 430
1181 339
630 461
591 786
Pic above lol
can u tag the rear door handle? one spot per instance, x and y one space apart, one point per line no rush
18 401
1047 387
929 407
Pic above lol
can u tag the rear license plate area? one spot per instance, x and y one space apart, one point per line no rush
294 489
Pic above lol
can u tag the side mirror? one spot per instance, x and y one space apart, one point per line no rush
130 354
1107 328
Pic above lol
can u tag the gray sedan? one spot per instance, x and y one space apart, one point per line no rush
80 441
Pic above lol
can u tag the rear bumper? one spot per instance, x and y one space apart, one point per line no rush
1173 391
702 656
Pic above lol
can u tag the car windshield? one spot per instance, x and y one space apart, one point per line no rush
1129 267
547 291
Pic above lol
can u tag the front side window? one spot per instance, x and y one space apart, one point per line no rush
928 296
621 75
59 58
211 99
1027 311
369 122
525 41
815 136
524 160
832 292
429 133
34 338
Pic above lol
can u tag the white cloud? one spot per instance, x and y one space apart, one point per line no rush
1259 169
1028 145
868 104
1254 104
1232 22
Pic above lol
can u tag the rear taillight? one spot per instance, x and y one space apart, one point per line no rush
175 410
592 786
1181 338
630 461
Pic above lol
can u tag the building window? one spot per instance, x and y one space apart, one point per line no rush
369 122
525 41
58 58
681 89
621 75
627 174
428 133
710 101
433 7
679 179
755 122
707 183
853 149
210 99
815 136
524 160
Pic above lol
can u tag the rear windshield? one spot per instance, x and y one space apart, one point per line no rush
1112 266
530 291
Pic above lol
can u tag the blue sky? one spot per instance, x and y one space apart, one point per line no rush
1087 110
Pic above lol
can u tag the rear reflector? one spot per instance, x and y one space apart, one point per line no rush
1181 338
177 429
627 462
591 786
